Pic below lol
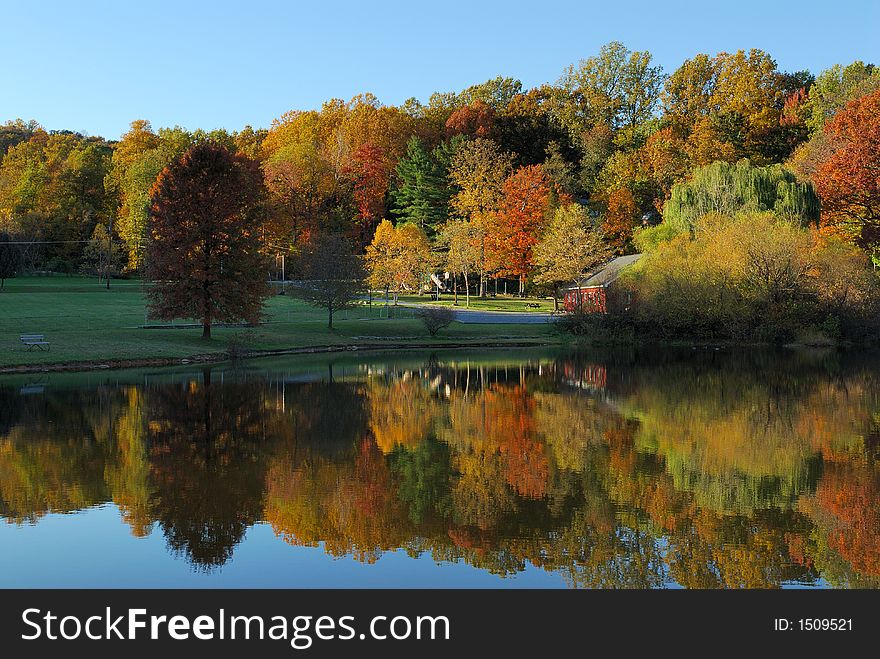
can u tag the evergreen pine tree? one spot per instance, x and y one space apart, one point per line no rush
422 193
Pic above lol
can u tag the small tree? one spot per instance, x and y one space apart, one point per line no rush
398 257
332 274
204 255
380 256
413 258
570 247
10 258
462 253
96 252
435 318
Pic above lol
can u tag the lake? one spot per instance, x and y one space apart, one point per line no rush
639 468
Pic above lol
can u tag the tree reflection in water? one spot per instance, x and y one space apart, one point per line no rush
617 470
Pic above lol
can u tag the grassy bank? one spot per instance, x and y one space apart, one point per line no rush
498 303
84 322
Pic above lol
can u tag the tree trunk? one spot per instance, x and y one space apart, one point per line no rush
206 329
555 302
454 290
330 317
467 293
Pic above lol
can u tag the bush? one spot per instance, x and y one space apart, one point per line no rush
610 328
435 318
649 238
753 278
237 345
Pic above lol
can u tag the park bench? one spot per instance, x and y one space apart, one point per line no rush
34 341
532 305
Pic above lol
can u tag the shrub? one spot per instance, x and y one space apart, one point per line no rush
435 318
649 238
756 277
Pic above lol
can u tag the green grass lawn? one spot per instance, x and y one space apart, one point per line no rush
85 322
499 303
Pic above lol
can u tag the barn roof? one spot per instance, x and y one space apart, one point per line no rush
607 273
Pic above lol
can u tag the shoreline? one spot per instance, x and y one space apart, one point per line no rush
217 357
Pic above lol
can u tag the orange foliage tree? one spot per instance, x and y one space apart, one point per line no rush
475 120
369 172
848 179
620 218
516 228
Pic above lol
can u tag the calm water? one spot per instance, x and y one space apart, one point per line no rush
652 469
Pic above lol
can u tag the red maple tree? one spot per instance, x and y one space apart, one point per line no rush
369 171
848 178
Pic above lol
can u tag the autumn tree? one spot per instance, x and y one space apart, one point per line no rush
835 87
847 179
478 170
398 258
369 173
300 186
332 274
597 147
618 87
561 171
526 127
52 193
515 228
664 162
731 106
570 247
621 217
103 255
462 256
380 258
15 132
137 161
204 257
472 120
496 92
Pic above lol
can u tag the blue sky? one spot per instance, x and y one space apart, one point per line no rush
94 66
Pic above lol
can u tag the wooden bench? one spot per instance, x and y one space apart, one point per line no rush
34 341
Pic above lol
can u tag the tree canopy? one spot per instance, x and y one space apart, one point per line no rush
204 255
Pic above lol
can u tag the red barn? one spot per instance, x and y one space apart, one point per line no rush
590 292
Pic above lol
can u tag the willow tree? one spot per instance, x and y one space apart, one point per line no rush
731 189
204 257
